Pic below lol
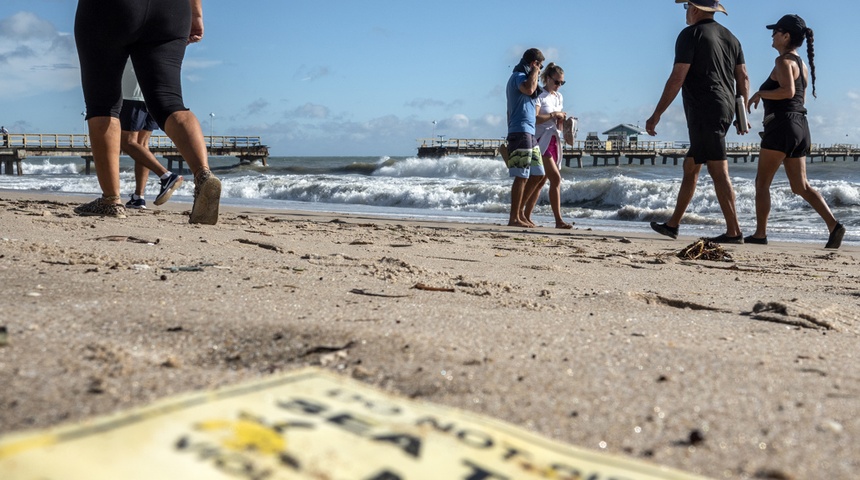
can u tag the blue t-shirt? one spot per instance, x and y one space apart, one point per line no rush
521 107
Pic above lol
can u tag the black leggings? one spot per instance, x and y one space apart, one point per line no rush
154 33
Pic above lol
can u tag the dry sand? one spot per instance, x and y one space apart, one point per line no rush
601 340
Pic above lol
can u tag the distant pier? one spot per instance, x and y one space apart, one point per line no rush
18 146
605 153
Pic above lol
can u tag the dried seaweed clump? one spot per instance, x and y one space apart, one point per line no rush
704 249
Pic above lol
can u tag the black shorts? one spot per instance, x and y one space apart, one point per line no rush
154 33
788 133
134 117
707 142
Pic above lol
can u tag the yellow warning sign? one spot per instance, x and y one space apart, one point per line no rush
308 424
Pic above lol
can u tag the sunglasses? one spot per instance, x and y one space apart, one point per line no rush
559 83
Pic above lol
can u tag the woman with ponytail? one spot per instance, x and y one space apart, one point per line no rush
550 118
786 139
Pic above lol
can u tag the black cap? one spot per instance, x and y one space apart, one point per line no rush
792 24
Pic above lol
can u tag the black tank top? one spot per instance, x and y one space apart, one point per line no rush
793 104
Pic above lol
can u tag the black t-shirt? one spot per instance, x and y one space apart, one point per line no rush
709 89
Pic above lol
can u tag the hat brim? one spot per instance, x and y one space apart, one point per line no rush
719 8
772 27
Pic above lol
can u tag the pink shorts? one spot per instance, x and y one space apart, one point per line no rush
552 149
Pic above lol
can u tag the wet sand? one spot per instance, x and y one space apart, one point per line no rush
738 369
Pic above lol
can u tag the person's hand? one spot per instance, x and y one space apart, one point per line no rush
196 33
753 102
651 124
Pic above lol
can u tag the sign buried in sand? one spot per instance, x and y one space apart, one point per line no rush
305 425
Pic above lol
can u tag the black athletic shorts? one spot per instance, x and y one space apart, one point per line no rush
134 117
788 133
154 33
707 142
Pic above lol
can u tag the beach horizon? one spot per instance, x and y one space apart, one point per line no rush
606 340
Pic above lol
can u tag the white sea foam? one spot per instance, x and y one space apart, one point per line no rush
624 196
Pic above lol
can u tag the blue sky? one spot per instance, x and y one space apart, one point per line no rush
370 78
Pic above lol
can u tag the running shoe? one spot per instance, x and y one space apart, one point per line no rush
207 196
139 203
168 186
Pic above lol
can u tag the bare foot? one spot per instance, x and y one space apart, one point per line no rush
517 223
563 225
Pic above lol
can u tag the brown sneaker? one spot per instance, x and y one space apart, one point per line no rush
207 196
100 208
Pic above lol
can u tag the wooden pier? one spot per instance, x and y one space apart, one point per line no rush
605 154
18 146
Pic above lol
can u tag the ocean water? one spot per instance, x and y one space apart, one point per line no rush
620 198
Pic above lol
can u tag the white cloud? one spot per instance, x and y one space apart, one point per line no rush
456 122
257 106
493 120
424 103
35 58
26 26
309 111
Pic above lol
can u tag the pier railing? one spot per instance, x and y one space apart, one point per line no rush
82 141
14 147
608 151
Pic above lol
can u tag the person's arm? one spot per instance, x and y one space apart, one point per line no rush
742 82
196 33
545 117
670 91
784 73
530 85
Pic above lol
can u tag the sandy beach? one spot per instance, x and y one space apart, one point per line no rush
729 369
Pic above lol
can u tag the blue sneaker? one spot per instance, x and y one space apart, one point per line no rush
168 186
140 203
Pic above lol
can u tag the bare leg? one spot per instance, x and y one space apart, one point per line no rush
517 194
795 169
719 171
686 192
141 176
184 129
532 194
136 145
553 175
105 138
768 164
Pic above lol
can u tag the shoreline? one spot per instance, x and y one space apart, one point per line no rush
605 340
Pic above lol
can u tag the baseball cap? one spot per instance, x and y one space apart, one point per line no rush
791 23
706 5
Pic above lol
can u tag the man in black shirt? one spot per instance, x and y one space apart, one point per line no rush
709 70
